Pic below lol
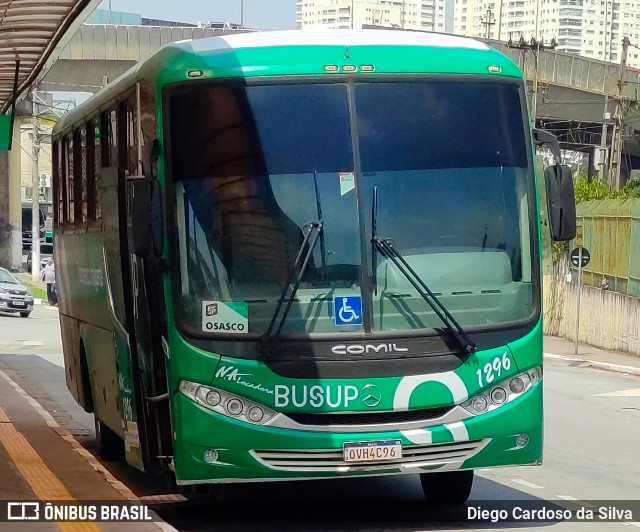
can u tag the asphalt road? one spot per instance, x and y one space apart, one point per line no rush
592 430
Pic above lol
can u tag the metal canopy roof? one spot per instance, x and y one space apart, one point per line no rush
30 32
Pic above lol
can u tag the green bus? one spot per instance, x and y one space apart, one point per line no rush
302 255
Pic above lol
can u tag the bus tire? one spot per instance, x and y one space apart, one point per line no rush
110 446
449 487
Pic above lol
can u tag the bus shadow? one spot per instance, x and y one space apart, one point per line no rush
378 503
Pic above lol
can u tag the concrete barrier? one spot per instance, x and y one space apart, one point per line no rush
608 320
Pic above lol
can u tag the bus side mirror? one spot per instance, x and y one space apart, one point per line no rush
140 216
561 202
156 218
146 217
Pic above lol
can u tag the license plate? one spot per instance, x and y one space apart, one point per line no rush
18 303
372 451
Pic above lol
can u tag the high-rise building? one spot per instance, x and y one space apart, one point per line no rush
429 15
592 28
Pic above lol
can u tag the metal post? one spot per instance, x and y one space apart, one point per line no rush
352 14
242 13
604 167
35 207
616 140
602 171
579 296
534 103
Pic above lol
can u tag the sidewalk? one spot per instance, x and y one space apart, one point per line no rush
555 347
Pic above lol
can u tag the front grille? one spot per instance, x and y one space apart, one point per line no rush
331 460
369 418
16 291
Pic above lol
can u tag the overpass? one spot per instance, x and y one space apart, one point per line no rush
570 99
98 53
570 96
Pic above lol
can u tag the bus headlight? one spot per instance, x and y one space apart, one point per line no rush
226 403
503 392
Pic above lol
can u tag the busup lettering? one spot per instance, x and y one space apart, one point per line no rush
315 396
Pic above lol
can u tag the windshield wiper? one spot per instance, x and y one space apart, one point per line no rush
386 248
311 231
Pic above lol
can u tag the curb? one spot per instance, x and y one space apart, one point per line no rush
631 370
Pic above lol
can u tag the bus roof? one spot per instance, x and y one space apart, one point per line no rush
321 37
304 53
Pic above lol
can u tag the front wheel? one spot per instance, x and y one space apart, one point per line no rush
450 487
25 314
110 446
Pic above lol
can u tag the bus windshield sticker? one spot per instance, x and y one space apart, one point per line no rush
347 182
347 310
225 316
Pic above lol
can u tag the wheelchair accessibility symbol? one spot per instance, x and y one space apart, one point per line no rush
347 310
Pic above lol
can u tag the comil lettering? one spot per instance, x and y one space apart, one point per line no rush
367 349
315 396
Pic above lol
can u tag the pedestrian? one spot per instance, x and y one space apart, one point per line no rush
48 275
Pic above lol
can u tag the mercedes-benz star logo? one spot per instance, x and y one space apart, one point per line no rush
371 395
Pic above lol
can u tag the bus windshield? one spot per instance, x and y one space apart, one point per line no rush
441 167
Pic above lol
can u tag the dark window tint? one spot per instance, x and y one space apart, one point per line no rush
229 130
70 188
418 126
98 162
89 168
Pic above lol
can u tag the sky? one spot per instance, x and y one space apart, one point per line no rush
260 14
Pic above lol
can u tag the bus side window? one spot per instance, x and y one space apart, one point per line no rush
56 168
97 178
80 166
112 139
147 124
128 136
68 180
89 169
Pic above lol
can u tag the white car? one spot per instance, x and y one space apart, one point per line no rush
14 296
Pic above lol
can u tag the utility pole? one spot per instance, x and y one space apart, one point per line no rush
487 24
618 120
352 14
533 46
242 13
35 195
604 167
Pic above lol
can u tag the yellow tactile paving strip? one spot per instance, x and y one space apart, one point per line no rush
43 482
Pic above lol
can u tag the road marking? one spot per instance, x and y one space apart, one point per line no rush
632 523
527 484
633 392
45 485
28 343
570 498
93 462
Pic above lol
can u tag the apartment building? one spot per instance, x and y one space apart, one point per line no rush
592 28
426 15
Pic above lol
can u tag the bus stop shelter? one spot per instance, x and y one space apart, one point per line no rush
32 35
31 31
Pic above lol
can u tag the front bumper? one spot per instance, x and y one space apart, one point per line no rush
248 452
16 305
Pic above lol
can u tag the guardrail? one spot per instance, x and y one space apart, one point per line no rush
570 70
